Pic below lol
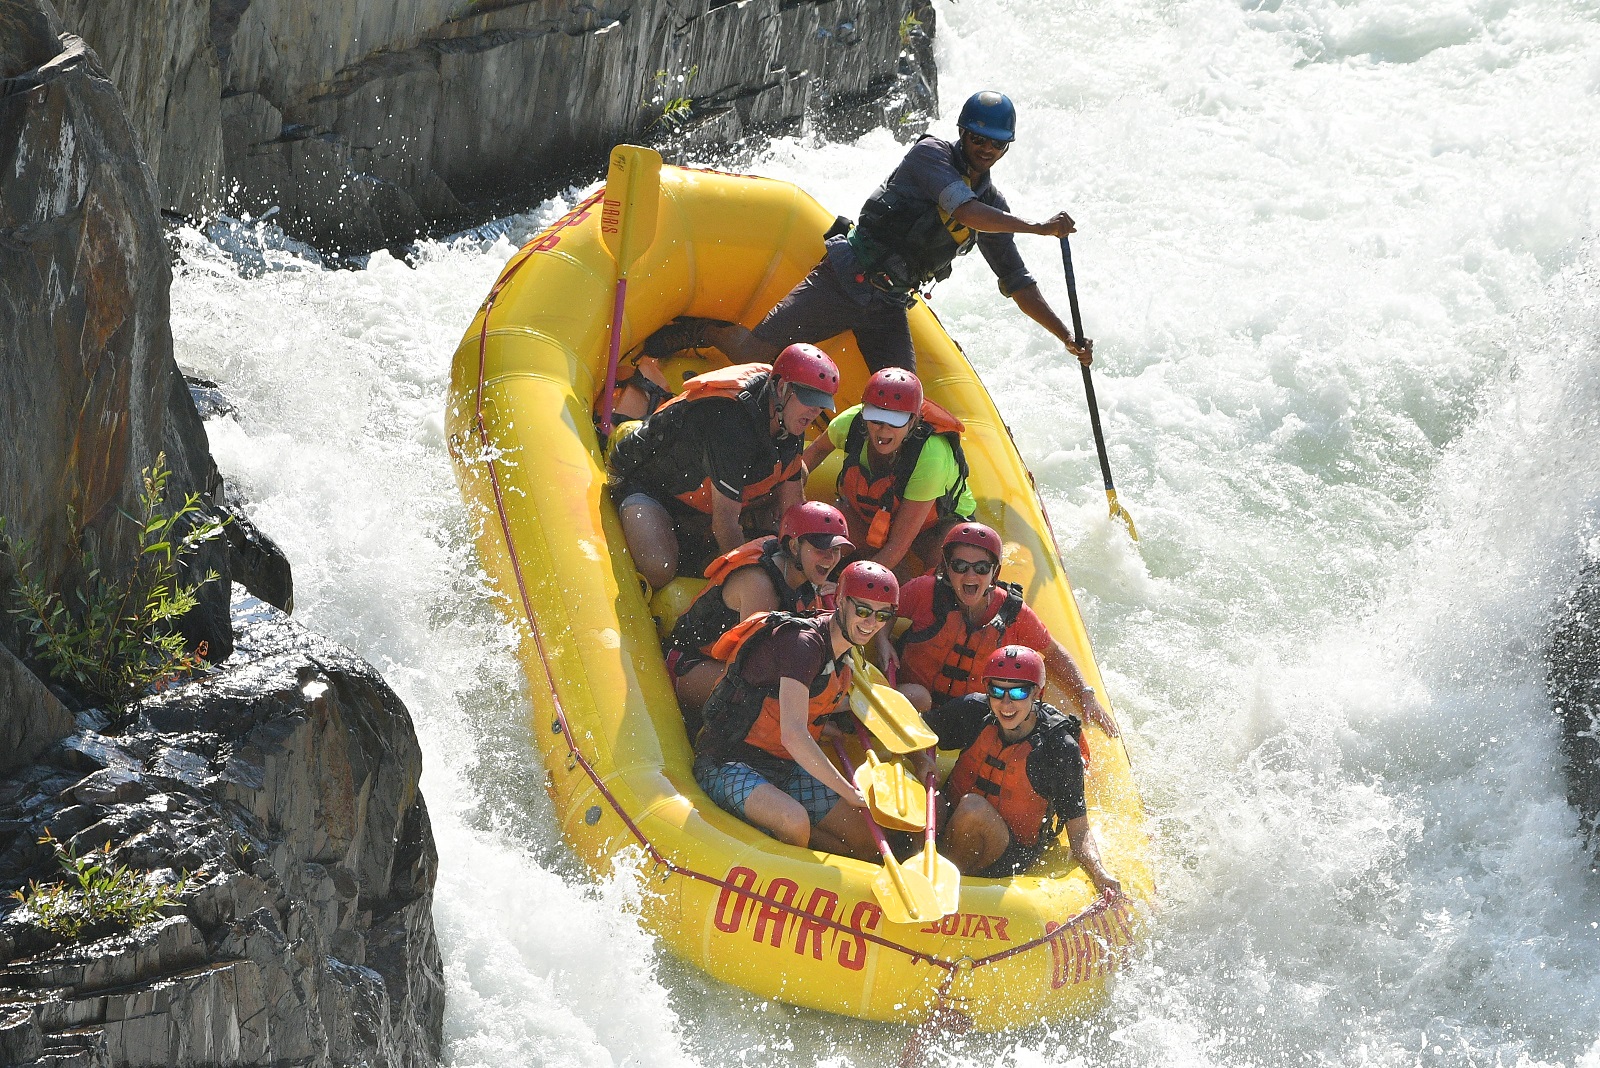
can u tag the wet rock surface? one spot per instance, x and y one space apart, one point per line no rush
367 121
89 392
1573 661
285 785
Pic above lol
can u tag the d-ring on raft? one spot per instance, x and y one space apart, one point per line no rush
779 921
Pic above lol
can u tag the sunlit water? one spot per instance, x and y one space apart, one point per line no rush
1338 260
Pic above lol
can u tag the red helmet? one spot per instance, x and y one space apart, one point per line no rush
978 536
811 518
868 580
810 373
1014 663
893 396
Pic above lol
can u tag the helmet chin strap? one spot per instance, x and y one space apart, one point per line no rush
780 401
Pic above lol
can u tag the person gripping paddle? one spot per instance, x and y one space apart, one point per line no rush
938 204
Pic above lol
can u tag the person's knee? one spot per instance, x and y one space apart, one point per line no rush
647 528
848 826
918 695
793 827
778 814
694 686
974 815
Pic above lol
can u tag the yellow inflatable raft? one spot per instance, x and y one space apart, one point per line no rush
779 921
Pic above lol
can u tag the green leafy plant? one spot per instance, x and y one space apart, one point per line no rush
909 25
114 638
95 893
675 110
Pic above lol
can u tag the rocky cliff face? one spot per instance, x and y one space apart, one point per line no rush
284 781
285 785
367 120
89 394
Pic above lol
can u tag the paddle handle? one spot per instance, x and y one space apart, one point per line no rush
931 783
1072 290
877 832
608 397
1088 379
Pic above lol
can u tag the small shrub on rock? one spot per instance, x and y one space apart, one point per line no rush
114 639
96 895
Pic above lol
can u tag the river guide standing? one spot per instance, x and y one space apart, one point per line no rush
937 205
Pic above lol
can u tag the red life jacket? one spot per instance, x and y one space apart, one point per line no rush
740 382
740 715
708 616
999 773
946 655
862 497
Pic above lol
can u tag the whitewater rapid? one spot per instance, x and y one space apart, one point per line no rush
1339 260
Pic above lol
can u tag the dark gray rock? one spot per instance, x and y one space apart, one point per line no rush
369 120
284 784
256 562
165 51
31 717
1573 661
89 392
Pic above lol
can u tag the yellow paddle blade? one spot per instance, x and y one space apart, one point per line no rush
885 712
898 801
900 729
1119 512
945 877
905 894
632 197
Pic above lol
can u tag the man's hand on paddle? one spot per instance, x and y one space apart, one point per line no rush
1058 225
1084 352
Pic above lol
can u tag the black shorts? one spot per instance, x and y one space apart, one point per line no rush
825 305
1017 859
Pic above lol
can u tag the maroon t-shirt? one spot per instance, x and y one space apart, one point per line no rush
798 649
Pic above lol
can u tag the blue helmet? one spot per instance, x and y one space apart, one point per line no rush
989 114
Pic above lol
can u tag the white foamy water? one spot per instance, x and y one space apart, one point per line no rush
1339 261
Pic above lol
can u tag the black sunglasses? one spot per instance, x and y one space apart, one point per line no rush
1018 692
883 615
977 567
980 141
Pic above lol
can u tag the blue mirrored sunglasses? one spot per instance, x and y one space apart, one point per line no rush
1018 692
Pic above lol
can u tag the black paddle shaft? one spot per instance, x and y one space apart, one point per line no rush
1088 379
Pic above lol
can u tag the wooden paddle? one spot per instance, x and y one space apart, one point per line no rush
627 226
897 800
904 894
885 710
940 871
1117 511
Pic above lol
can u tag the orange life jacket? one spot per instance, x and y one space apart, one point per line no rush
741 715
742 382
708 616
947 655
644 374
865 498
999 773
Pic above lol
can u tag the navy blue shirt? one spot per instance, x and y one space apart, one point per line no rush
934 170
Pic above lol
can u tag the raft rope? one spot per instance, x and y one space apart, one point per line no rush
660 860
